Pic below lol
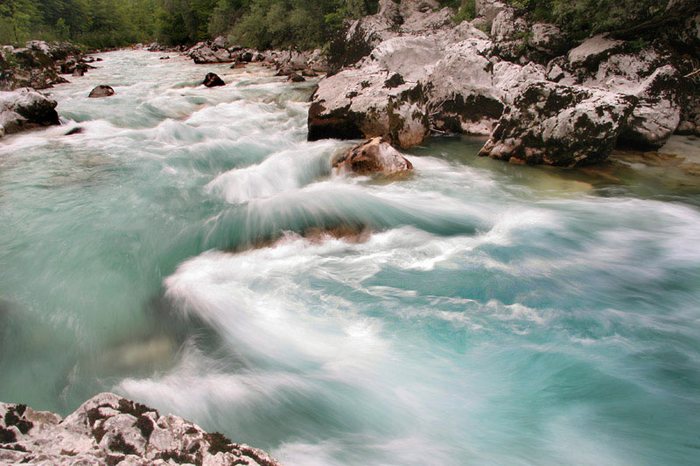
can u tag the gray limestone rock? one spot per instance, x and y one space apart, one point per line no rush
25 109
108 429
372 157
559 125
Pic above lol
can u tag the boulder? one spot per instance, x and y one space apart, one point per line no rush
591 52
548 40
412 85
101 91
356 104
372 157
463 102
658 112
658 86
208 53
213 80
487 10
509 34
394 18
296 78
559 125
108 429
25 109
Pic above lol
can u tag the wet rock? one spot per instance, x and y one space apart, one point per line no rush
559 125
76 130
296 78
108 429
213 80
101 91
373 156
25 109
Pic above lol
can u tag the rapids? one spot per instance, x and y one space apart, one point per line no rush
479 313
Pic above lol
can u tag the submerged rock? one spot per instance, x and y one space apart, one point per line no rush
101 91
373 156
25 109
559 125
108 429
213 80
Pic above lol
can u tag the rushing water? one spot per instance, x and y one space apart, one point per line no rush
483 313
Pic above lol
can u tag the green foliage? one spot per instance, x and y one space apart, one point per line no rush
95 23
295 23
466 11
581 18
267 23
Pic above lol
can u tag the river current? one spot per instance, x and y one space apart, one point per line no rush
175 251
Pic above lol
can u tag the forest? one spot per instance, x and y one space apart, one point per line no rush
263 23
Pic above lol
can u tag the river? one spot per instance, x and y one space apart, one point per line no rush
477 313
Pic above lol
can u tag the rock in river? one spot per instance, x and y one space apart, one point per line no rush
101 91
213 80
374 156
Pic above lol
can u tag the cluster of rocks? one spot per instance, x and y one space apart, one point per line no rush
111 430
220 50
415 74
40 64
297 66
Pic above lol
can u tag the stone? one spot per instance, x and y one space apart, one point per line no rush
508 33
559 125
296 78
101 91
594 50
375 156
108 429
487 10
213 80
38 65
658 113
208 53
548 39
25 109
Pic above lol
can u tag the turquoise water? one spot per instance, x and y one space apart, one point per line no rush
486 314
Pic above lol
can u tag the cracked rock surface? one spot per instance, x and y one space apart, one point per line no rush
112 430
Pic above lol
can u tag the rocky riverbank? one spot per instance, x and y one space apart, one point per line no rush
294 64
41 65
409 72
108 429
37 66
